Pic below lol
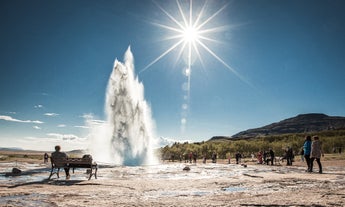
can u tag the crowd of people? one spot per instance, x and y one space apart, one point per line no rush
266 157
310 151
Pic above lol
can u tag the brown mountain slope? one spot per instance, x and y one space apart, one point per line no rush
313 122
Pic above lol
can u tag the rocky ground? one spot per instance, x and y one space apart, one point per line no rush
168 184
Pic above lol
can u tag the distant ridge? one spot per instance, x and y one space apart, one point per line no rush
10 149
303 123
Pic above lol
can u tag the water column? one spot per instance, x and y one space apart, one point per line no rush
128 116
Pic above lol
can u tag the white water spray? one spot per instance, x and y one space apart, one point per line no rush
127 134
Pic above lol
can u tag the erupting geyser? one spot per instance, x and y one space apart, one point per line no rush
127 134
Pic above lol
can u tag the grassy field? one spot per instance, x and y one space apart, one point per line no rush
27 156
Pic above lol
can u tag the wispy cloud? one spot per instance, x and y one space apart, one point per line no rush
51 114
9 118
163 141
87 116
64 136
66 141
61 125
90 120
38 106
37 127
83 127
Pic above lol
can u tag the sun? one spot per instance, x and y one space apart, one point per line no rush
190 35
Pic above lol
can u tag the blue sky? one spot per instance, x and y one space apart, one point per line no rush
56 58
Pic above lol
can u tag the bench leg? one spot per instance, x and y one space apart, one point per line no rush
93 173
90 173
52 173
96 173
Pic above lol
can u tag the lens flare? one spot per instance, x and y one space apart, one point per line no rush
193 33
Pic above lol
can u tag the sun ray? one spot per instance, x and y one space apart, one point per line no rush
173 37
199 15
214 29
181 51
162 55
182 15
224 63
191 13
209 39
169 15
198 53
211 17
168 27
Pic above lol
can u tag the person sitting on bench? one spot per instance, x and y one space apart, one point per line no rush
58 155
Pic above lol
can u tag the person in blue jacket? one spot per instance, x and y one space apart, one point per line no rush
307 150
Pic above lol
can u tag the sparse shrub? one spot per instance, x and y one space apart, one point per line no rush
330 140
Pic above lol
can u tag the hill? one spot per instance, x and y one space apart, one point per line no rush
303 123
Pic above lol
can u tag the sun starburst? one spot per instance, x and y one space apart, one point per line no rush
190 33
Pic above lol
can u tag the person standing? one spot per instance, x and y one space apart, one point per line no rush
289 156
265 157
46 156
190 157
260 157
316 153
272 156
195 156
214 157
229 157
253 157
307 150
238 157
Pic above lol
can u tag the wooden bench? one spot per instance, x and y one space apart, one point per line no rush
85 162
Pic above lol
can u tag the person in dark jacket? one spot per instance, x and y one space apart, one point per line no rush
58 155
307 150
238 157
272 156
